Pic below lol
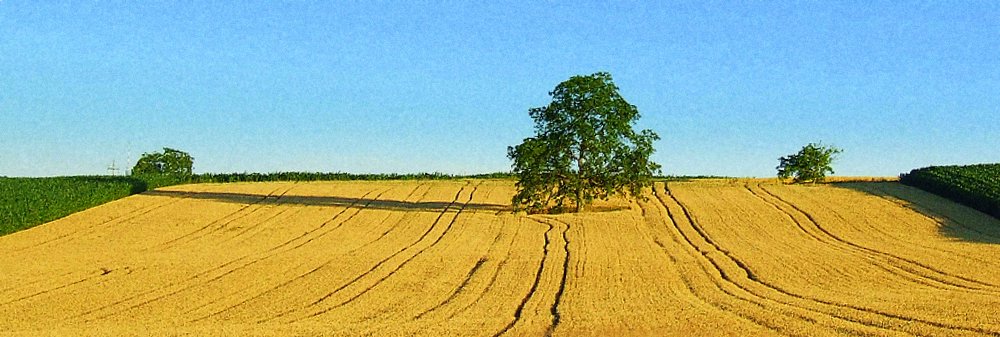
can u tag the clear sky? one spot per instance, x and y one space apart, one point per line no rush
413 86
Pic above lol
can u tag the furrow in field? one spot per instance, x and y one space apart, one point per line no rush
916 207
720 315
903 268
302 276
241 213
739 299
464 287
815 232
392 272
554 310
370 270
534 285
934 208
916 267
842 311
13 286
229 267
76 234
493 277
458 290
300 287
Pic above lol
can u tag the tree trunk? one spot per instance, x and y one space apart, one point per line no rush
579 200
579 184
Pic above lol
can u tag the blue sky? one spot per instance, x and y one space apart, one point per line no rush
372 86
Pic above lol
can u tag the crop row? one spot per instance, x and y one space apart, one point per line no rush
976 186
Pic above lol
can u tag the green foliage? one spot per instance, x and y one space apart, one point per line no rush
27 202
811 164
977 186
171 162
584 148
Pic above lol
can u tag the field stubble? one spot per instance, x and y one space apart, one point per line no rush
726 257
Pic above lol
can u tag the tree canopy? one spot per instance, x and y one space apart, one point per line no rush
811 164
169 162
584 148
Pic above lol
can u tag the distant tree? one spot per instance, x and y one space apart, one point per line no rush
811 164
170 162
584 148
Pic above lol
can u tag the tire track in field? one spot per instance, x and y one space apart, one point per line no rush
554 310
493 278
560 289
131 215
680 238
429 229
304 275
119 275
465 282
923 212
917 243
534 285
458 290
663 217
400 266
667 216
916 268
886 262
104 277
899 320
822 310
788 307
220 223
64 286
35 281
272 252
927 212
873 260
286 212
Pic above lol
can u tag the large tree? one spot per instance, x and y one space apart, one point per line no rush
584 148
170 162
811 164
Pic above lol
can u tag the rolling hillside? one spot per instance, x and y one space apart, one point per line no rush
725 257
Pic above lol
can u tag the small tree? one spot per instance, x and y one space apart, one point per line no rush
811 164
170 162
584 148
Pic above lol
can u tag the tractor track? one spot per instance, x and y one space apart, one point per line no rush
902 320
929 272
447 229
180 285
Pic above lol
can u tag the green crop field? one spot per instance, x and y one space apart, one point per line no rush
26 202
977 186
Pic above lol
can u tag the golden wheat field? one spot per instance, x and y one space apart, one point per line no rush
432 258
